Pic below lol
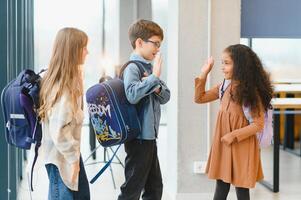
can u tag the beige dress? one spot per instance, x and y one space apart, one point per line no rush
238 163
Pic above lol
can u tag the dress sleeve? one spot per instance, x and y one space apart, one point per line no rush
202 96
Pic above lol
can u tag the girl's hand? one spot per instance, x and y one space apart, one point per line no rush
75 172
207 66
228 139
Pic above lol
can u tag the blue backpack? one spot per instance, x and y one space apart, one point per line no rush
114 120
19 101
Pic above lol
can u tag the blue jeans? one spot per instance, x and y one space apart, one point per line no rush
59 191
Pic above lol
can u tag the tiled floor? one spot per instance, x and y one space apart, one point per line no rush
102 189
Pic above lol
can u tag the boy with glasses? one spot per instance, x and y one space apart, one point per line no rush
142 169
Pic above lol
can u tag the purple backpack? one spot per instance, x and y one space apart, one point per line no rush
265 136
20 101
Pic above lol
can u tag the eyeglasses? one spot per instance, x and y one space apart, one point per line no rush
157 44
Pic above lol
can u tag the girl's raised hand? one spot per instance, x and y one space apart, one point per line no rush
207 66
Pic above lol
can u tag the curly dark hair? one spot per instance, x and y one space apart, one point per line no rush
253 80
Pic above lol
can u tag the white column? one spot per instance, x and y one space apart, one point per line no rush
130 11
225 31
120 14
196 29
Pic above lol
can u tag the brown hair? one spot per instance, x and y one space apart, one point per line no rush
144 29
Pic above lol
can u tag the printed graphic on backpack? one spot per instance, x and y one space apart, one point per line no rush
114 119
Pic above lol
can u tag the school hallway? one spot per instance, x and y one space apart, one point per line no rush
193 31
103 189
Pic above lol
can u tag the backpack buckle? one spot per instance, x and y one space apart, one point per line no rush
8 125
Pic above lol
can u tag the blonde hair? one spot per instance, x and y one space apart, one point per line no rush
64 70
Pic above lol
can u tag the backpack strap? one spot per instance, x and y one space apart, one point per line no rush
247 113
29 99
42 70
105 78
36 154
246 109
223 88
138 64
36 135
104 167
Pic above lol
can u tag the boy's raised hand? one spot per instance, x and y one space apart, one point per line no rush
207 66
157 65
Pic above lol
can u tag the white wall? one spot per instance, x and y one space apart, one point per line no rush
281 57
120 14
196 29
51 16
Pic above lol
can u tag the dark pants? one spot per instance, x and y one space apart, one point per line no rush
222 190
142 171
59 191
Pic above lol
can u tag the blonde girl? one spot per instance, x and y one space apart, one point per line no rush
62 116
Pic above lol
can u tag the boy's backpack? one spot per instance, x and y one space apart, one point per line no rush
114 120
265 136
19 101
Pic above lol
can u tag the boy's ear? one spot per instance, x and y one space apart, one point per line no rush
139 42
